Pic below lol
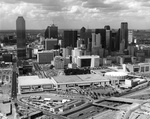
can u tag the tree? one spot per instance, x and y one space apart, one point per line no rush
51 67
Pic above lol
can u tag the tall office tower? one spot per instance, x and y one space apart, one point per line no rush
122 46
107 27
93 40
130 36
103 36
96 43
117 47
96 40
108 38
83 33
51 31
88 38
113 40
70 38
89 45
21 37
124 33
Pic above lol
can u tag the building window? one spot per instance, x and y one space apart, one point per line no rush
142 69
136 69
147 68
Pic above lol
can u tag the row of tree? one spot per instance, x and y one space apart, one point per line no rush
77 71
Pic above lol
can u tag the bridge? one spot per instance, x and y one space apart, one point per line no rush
106 106
124 100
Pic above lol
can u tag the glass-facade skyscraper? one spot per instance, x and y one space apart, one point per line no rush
70 38
124 33
21 37
51 31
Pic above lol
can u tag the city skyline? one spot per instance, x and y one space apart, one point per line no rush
74 14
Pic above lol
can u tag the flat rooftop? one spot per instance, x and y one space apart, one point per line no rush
33 80
66 79
89 56
80 78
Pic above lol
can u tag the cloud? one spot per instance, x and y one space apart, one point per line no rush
74 13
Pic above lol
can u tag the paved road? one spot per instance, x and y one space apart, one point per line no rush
14 82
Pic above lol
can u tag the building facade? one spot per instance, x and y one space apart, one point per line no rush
21 37
50 43
51 31
44 57
70 38
103 36
124 33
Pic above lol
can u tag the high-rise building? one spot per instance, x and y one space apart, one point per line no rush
88 39
108 38
21 37
130 36
107 27
51 31
96 40
124 33
117 46
83 33
103 36
70 38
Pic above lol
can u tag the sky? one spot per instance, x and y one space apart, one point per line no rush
73 14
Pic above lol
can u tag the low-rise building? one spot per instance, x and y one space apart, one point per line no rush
63 82
140 67
28 84
124 59
44 57
88 61
72 65
58 62
49 43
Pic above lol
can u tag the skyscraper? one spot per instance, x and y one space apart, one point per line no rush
108 39
115 40
96 40
130 36
88 39
107 27
82 33
21 37
51 31
70 38
103 36
124 33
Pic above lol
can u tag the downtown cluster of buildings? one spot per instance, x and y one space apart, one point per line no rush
94 59
87 48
